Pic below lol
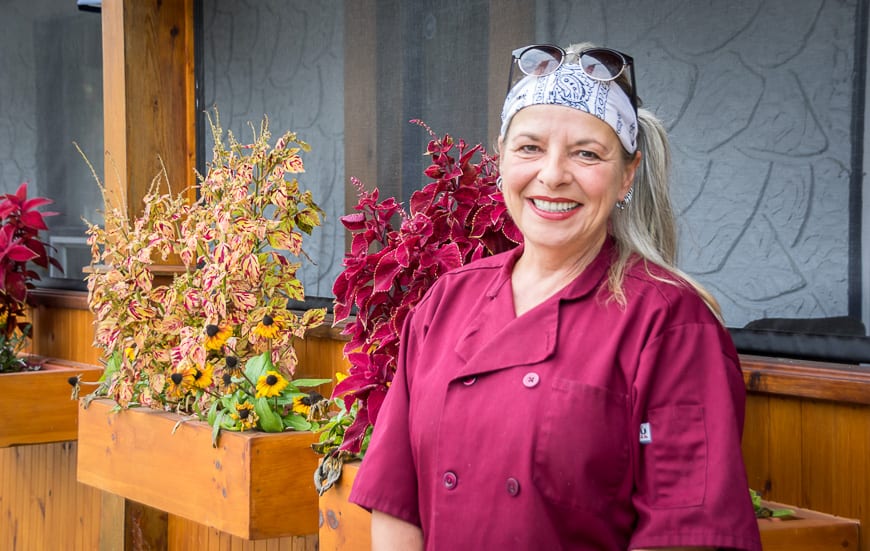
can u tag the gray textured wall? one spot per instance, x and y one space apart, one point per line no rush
757 96
758 99
286 60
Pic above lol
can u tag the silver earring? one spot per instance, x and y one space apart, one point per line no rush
625 200
499 183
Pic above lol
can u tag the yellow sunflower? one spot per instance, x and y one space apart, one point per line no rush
228 373
179 383
202 378
269 327
246 414
302 404
228 386
216 336
271 384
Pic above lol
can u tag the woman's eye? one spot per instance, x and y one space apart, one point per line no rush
587 155
529 148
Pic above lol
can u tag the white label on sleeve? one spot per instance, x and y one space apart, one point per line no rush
645 433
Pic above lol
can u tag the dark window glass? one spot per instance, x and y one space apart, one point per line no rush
51 95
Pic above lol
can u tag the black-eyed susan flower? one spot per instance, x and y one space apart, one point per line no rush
179 382
202 377
227 384
246 415
216 336
271 384
302 404
269 327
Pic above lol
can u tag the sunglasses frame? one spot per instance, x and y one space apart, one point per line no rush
627 62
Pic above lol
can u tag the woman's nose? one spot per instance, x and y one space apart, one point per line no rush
553 171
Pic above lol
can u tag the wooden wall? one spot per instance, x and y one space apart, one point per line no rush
42 506
807 436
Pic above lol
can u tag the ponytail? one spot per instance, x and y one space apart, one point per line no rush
647 226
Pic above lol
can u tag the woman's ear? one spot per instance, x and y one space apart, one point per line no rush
630 171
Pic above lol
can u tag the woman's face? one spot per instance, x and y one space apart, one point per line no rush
563 171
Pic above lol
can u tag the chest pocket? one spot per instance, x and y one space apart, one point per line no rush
581 454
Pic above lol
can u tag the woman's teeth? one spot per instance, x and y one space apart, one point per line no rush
554 206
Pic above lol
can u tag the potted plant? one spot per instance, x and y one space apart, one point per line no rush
21 248
396 254
209 354
34 395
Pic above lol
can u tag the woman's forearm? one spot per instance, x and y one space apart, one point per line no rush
393 534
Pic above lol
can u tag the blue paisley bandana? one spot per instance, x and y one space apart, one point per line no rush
570 86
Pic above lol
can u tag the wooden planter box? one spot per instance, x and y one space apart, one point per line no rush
807 530
254 485
37 406
343 525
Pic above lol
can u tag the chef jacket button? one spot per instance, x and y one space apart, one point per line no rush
449 480
513 486
468 381
531 379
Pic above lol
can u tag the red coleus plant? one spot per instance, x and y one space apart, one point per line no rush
458 217
20 248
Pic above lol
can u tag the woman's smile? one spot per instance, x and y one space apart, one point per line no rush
554 206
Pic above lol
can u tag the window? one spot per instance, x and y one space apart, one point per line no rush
51 95
764 102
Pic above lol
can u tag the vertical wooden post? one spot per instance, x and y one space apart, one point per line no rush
148 97
511 25
149 112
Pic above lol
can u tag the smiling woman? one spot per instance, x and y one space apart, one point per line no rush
589 316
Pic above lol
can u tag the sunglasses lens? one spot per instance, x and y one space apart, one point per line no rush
602 64
540 60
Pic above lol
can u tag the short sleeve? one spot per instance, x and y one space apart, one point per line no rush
387 478
691 487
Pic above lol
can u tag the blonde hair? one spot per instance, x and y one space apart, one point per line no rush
647 227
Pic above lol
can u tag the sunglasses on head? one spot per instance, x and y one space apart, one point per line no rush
601 64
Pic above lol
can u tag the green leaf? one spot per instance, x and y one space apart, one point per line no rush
257 366
112 366
212 413
297 422
311 382
216 429
269 420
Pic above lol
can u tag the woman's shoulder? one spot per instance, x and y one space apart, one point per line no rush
649 282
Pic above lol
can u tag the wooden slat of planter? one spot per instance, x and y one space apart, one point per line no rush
36 406
811 530
254 485
344 526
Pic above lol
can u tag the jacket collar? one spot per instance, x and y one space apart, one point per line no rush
496 339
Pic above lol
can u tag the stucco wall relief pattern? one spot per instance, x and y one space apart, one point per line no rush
757 96
286 61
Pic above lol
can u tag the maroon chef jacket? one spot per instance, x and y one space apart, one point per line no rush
581 424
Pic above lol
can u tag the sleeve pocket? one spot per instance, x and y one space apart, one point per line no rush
677 456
